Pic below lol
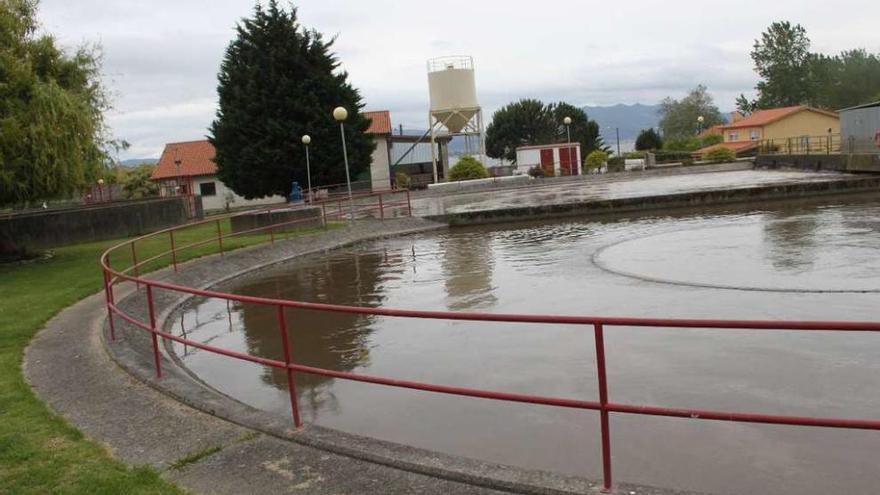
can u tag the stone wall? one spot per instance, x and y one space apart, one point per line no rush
37 230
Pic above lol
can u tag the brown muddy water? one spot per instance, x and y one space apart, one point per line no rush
804 261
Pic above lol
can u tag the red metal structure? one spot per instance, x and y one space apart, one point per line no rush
380 209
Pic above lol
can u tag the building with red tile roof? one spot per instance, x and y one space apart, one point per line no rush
776 125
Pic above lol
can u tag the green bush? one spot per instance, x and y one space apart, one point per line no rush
720 155
402 181
633 155
468 168
537 172
595 160
672 156
691 143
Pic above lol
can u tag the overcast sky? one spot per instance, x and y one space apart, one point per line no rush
161 56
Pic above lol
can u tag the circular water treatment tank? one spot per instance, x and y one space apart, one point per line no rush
453 91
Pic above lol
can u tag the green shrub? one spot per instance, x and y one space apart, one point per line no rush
691 143
720 155
595 160
672 156
633 155
402 181
537 172
712 139
468 168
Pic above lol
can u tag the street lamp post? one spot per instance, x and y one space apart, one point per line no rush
306 141
101 190
617 132
700 121
567 122
340 114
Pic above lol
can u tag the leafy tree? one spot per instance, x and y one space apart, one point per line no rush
595 160
679 117
845 80
277 82
522 123
531 122
792 75
136 181
468 168
648 139
583 130
744 105
52 132
782 60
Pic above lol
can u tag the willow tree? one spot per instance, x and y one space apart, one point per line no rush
277 82
52 133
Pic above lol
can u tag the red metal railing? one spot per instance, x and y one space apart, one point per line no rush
603 405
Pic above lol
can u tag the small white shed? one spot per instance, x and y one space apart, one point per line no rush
557 159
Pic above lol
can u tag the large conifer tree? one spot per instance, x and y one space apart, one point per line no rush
277 82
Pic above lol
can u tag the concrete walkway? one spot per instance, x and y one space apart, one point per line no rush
69 367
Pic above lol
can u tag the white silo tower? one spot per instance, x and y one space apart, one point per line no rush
454 103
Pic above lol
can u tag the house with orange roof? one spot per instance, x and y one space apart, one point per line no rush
801 123
188 168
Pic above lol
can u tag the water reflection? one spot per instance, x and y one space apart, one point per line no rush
336 341
790 240
467 265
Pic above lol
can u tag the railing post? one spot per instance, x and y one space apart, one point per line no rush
134 264
291 383
381 208
323 215
152 310
408 204
173 250
108 294
219 237
603 402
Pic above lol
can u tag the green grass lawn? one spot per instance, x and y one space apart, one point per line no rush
40 452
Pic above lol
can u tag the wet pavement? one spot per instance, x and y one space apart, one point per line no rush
608 187
804 261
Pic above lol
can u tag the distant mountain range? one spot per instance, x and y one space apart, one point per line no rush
134 162
629 119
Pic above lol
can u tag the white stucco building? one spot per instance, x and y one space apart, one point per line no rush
556 159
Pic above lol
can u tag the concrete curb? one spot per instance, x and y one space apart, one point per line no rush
773 192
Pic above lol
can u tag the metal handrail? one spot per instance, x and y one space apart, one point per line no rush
604 405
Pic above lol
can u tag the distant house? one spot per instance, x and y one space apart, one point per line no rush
860 128
777 125
189 168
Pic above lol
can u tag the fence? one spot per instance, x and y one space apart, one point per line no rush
802 145
598 324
